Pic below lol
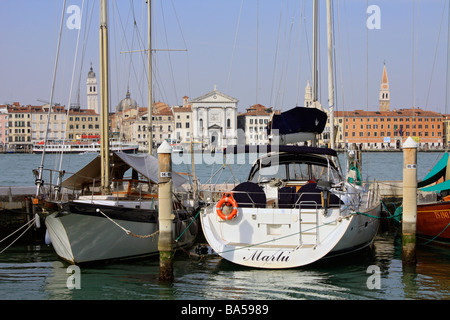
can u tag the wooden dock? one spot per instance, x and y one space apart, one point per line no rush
16 210
390 189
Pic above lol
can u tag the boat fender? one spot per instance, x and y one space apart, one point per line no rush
48 239
227 199
181 227
193 227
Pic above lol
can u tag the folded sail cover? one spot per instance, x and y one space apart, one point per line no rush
299 119
145 164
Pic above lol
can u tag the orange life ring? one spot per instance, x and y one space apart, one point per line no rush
228 200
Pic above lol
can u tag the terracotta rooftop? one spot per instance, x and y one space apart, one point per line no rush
258 110
393 113
186 108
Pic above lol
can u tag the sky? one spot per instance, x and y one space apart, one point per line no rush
257 51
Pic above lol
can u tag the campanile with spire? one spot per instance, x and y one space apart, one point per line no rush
384 91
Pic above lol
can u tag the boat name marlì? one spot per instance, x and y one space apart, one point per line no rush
261 256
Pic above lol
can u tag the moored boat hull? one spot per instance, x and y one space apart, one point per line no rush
433 220
87 238
288 238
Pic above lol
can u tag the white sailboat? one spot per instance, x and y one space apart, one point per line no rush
103 224
295 208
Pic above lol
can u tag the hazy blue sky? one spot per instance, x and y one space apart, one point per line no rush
222 49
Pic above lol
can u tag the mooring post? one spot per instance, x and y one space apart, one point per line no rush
409 202
165 240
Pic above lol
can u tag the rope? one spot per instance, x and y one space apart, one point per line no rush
30 223
398 213
176 240
128 231
437 234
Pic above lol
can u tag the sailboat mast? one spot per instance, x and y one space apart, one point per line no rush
104 97
330 73
447 82
315 41
150 95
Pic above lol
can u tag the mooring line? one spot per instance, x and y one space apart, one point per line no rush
30 223
437 235
188 225
128 231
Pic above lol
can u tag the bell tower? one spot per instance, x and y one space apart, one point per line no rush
92 92
384 91
308 95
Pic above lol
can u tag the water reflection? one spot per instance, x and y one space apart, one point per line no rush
36 273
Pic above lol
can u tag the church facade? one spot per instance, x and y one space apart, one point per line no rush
214 117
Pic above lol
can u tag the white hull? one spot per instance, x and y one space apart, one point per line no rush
287 238
79 238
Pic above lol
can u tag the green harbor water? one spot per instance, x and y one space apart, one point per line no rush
34 272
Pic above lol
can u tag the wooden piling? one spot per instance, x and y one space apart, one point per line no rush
409 202
165 240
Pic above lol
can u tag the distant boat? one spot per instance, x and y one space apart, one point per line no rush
176 145
86 146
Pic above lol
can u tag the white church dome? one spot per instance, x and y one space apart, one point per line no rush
127 103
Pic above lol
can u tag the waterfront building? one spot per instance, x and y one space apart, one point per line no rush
139 129
215 120
127 103
446 134
182 130
122 120
56 127
3 127
83 124
253 123
123 123
162 123
19 127
388 129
